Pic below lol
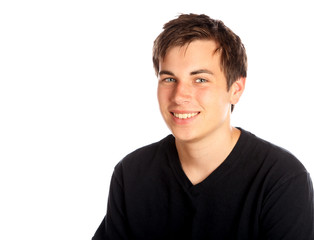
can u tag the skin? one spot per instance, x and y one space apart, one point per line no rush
191 81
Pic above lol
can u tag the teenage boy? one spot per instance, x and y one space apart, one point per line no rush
208 180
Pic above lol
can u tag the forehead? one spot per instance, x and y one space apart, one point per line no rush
198 52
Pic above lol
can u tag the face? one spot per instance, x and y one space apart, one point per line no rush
192 91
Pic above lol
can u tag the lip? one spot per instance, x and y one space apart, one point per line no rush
183 112
182 121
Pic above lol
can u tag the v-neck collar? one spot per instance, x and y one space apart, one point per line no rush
219 172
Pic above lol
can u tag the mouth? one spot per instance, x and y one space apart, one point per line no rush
184 115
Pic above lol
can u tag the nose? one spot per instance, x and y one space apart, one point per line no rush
182 93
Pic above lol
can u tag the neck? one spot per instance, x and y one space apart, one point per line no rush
200 158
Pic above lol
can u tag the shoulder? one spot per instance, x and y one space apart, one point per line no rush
144 157
271 153
283 187
277 163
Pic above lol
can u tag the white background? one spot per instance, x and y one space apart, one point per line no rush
78 92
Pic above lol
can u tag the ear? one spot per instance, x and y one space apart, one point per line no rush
237 89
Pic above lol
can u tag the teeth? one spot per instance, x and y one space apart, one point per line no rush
185 115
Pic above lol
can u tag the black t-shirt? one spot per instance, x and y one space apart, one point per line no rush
260 191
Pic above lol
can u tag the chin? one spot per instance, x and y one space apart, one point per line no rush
184 136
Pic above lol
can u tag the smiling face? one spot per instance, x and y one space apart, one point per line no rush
192 91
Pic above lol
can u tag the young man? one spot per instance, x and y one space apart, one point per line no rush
208 180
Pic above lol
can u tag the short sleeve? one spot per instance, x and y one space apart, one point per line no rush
114 225
287 211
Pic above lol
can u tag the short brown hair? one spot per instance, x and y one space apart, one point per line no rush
189 27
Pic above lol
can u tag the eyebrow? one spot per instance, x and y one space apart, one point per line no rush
166 72
201 71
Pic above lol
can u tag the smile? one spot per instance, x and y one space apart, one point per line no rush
184 115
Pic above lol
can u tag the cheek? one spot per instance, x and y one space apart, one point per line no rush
213 100
162 96
206 97
158 94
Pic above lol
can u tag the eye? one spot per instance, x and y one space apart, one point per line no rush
169 80
201 80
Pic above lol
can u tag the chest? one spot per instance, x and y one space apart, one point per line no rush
221 210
